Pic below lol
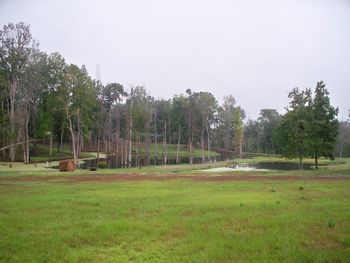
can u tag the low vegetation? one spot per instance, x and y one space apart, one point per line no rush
46 217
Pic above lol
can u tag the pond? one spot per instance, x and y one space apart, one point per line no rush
113 162
263 166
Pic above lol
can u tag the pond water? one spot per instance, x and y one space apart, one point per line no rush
262 166
230 169
277 166
111 162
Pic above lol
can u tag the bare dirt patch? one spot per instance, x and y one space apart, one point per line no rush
103 178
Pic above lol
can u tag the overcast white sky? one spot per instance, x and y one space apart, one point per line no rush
255 50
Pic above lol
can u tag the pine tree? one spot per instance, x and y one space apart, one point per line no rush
323 125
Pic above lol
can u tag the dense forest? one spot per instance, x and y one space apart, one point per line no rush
46 100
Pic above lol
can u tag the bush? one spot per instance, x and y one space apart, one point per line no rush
102 164
331 223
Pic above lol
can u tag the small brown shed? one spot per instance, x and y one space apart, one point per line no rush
66 166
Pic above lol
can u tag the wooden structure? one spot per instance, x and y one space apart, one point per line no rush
66 166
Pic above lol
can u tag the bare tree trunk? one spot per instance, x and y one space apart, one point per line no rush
50 152
78 141
130 130
155 139
26 137
98 147
208 141
148 151
122 154
14 146
34 135
117 137
24 149
190 138
178 144
72 136
202 142
258 139
241 148
137 150
116 149
61 140
169 133
164 144
125 154
13 89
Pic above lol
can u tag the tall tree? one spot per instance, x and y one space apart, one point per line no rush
343 140
78 96
324 125
292 134
310 127
178 113
16 46
31 85
206 105
268 121
112 94
231 125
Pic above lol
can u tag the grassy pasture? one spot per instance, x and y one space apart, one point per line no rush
179 220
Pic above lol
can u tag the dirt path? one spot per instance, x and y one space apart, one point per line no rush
200 177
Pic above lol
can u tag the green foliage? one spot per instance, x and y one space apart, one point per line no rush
343 140
324 125
331 223
310 127
230 120
292 131
268 121
102 164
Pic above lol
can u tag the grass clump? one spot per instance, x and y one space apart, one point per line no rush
331 223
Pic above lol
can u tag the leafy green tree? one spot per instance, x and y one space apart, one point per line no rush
178 113
51 118
206 105
310 127
292 134
230 120
79 97
324 125
251 136
16 47
163 123
31 85
142 112
267 125
112 94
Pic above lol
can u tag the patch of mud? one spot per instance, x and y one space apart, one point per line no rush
228 169
103 178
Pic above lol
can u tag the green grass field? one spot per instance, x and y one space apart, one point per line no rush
52 219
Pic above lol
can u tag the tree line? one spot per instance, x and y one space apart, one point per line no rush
44 97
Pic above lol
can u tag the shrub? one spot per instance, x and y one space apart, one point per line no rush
331 223
102 164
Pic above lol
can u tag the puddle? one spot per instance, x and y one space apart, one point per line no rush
262 166
232 169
